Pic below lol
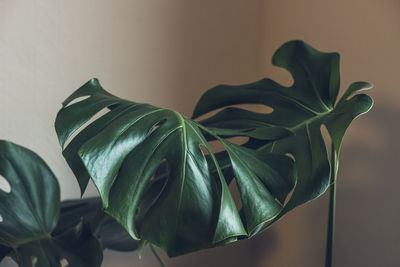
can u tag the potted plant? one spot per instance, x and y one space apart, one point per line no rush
158 178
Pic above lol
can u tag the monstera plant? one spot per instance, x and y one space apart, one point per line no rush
158 177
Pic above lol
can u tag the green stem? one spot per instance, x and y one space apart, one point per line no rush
156 255
332 211
331 226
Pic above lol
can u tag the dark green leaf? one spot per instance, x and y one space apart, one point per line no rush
259 184
27 212
4 251
77 246
301 108
30 212
192 208
111 234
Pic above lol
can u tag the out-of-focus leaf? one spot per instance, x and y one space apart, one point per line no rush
26 210
111 234
4 251
77 246
30 212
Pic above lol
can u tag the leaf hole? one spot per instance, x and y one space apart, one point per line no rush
290 155
204 150
238 140
281 76
64 262
155 127
4 185
98 115
326 137
258 108
234 189
78 99
162 171
288 197
1 218
217 146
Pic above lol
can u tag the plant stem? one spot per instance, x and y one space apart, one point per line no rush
332 211
331 226
156 255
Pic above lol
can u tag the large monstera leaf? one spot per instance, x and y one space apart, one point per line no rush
30 211
158 177
302 108
191 207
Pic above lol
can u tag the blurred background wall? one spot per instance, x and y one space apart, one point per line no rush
169 52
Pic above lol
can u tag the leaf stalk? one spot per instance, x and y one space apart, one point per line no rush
332 210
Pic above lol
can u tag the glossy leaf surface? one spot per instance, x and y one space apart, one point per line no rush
25 210
30 212
189 210
301 108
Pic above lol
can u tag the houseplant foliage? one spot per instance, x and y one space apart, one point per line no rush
159 179
36 229
30 214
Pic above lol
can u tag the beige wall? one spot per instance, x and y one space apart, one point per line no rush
169 52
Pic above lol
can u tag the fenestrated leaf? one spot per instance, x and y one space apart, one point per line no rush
77 246
259 183
26 211
30 212
191 209
111 234
301 108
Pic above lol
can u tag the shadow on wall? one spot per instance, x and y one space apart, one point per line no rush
367 192
367 189
217 42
